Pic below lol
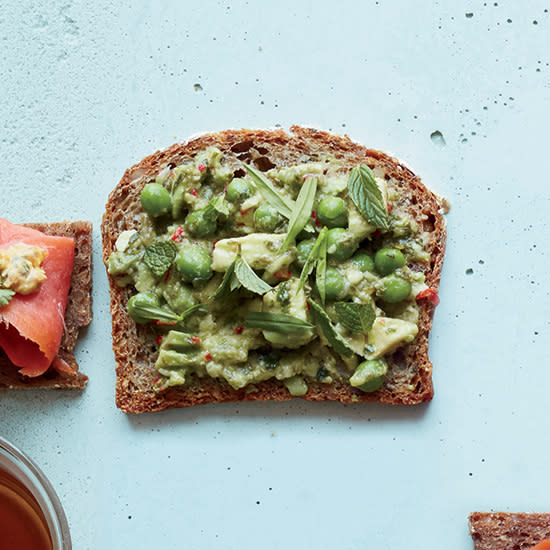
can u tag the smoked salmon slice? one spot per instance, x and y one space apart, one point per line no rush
31 326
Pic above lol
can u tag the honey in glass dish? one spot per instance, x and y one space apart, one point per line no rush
23 525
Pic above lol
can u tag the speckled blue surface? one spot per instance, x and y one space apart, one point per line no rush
89 88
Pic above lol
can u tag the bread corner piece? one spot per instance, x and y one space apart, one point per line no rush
77 315
508 531
410 379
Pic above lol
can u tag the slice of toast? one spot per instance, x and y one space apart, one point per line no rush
409 380
507 531
77 315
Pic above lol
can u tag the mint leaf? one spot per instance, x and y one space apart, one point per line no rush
6 294
276 322
313 257
246 276
159 257
357 318
366 195
283 205
301 213
321 319
148 312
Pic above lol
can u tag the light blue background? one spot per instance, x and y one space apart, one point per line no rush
89 88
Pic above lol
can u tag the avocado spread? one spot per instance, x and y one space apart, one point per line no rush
305 273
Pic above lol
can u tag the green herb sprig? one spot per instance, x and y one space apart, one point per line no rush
357 318
159 257
321 319
276 322
301 213
366 195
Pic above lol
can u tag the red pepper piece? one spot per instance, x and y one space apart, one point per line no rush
159 339
214 243
195 340
194 192
377 233
167 276
239 329
176 237
282 274
390 207
164 323
201 167
208 357
429 294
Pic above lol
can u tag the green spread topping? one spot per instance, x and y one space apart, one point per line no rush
305 274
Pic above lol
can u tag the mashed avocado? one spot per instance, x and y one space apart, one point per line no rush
302 274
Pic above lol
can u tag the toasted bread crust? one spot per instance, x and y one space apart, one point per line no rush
410 377
507 531
77 315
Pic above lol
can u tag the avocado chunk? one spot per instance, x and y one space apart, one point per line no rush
259 250
387 334
369 375
285 298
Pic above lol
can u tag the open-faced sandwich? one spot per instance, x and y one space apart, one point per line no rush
45 283
508 531
256 265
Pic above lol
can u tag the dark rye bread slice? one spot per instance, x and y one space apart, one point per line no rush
506 531
77 315
410 374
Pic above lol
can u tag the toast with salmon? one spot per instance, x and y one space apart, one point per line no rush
78 311
136 346
509 531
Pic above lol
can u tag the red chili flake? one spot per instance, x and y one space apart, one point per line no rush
390 207
240 223
201 167
282 274
238 329
176 237
314 216
194 192
377 233
308 306
215 242
304 178
164 323
208 357
159 339
195 340
167 276
429 294
243 212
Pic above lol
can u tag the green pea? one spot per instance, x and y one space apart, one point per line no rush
194 263
155 200
340 244
334 284
363 261
387 260
238 190
266 218
332 212
369 375
201 223
395 289
303 250
142 299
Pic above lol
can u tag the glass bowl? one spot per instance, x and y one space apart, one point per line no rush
20 466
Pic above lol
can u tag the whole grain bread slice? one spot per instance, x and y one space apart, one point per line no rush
410 375
507 531
77 315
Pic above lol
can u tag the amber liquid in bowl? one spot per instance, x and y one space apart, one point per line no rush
22 522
